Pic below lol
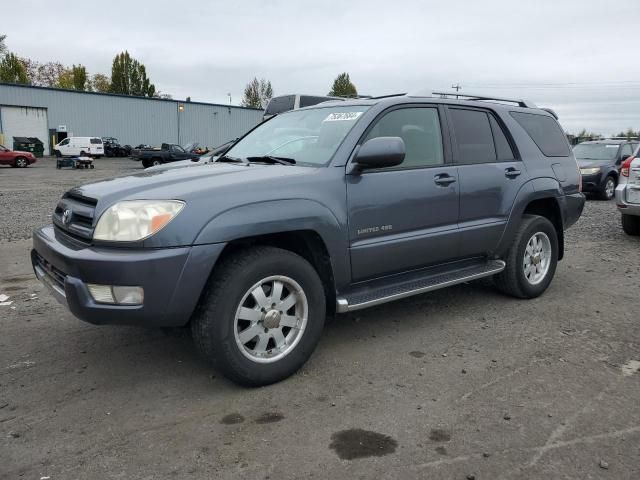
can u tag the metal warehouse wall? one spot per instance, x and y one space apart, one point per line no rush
134 120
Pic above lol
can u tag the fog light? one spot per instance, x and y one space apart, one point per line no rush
128 295
116 294
101 293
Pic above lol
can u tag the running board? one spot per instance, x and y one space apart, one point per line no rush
414 283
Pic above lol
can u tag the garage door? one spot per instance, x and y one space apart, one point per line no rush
24 122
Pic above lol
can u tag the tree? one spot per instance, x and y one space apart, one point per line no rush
257 93
629 133
100 83
43 74
79 77
12 70
3 47
65 79
342 87
129 77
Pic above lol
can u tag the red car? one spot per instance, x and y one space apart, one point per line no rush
16 159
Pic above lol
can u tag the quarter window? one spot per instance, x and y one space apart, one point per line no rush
419 128
473 135
626 150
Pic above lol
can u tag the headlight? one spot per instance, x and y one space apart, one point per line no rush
134 220
589 171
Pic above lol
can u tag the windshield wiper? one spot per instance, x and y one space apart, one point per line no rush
273 160
230 159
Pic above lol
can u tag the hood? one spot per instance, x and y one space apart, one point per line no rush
195 181
586 163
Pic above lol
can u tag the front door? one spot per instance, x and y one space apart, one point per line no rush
404 217
490 176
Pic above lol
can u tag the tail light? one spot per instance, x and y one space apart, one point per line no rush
626 165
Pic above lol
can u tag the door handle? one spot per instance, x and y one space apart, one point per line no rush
443 179
511 172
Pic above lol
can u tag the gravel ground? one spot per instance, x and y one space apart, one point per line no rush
460 383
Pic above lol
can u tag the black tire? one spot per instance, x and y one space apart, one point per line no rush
512 279
156 161
83 153
603 194
146 163
631 224
213 322
57 153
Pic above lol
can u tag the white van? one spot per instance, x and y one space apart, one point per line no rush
80 146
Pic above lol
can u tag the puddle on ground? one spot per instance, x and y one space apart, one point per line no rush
417 354
631 367
441 450
232 419
270 417
438 435
358 443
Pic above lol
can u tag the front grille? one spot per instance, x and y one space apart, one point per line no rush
54 274
79 222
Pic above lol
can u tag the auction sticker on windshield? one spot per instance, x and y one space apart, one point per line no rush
342 116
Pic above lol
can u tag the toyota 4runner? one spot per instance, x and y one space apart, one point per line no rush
322 210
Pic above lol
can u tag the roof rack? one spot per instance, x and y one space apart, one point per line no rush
389 96
469 96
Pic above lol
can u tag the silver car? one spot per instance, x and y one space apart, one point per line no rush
628 194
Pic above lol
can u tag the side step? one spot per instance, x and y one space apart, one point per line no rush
413 283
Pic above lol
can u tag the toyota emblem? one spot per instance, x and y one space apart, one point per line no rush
66 217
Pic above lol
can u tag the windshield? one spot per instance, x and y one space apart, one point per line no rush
309 137
596 151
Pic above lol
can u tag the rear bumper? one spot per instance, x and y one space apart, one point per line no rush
623 205
573 206
172 278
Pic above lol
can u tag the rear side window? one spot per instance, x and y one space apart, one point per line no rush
308 100
503 149
96 141
280 104
473 135
545 132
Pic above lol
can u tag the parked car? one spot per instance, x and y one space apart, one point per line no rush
284 103
16 159
80 146
599 162
112 148
373 201
628 194
168 152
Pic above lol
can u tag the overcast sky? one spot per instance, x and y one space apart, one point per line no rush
576 56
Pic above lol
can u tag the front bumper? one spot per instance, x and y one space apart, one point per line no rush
172 278
592 183
625 207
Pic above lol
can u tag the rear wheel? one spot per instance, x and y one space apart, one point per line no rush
261 315
609 188
21 162
631 224
531 259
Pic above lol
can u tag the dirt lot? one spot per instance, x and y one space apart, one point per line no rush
458 383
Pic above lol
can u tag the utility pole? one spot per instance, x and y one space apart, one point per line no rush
457 88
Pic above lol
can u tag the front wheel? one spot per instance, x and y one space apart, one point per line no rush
261 315
21 162
531 259
609 189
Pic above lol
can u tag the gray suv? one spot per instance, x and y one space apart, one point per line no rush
322 210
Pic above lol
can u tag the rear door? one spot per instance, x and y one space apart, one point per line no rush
490 176
404 217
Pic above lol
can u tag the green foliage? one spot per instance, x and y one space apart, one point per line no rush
79 77
12 70
129 77
257 93
342 86
630 133
65 79
100 83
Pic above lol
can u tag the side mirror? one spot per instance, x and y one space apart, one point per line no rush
381 152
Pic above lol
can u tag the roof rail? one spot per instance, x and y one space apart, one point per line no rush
469 96
389 96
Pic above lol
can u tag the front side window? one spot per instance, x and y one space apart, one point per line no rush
419 128
309 137
65 142
177 149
